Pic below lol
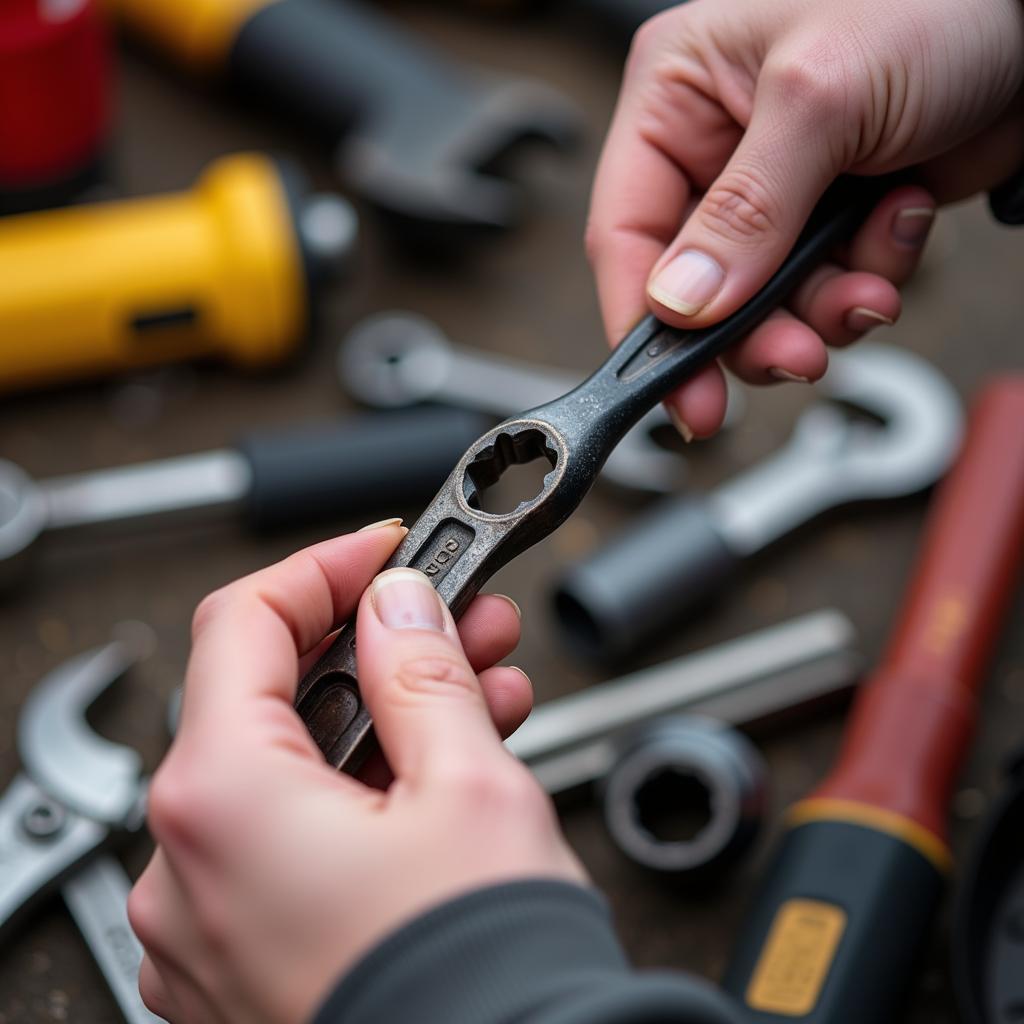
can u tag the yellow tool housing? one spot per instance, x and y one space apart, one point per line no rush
214 272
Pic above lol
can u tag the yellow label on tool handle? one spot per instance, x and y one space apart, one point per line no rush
797 957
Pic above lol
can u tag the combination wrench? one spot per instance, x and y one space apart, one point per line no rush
681 552
459 546
397 359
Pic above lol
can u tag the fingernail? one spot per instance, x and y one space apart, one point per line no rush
404 599
515 607
860 320
911 226
781 374
380 525
687 283
516 668
680 424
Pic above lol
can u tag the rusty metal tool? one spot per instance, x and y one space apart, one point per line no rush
834 934
459 543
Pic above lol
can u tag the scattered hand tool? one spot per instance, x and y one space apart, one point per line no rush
416 135
680 553
398 359
54 101
843 912
459 545
376 460
988 912
661 773
224 270
75 793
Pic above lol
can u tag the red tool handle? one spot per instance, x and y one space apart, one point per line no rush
913 721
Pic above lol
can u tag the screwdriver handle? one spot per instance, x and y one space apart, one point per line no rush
834 934
374 461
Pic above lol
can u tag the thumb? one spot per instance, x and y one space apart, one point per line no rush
428 708
749 218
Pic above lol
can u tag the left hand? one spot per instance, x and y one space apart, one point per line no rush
273 874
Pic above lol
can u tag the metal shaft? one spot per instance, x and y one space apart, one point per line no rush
208 480
569 741
97 897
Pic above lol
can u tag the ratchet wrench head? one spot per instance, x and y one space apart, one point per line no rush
22 520
92 776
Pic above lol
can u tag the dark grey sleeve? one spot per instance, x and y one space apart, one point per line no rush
530 952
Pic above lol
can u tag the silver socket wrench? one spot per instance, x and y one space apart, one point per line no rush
398 359
617 734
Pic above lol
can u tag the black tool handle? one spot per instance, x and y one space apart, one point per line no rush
373 461
668 563
333 63
459 547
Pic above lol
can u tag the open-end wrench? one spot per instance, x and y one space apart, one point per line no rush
396 359
459 545
675 556
299 475
416 134
76 791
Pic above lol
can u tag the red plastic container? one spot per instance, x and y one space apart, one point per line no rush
54 99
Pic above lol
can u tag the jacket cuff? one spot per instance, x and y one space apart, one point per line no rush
538 951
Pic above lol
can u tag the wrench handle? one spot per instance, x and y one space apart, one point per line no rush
654 358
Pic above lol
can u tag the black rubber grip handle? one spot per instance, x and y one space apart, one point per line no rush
834 935
373 461
669 562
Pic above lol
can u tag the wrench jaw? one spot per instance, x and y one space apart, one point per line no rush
77 768
23 517
76 789
434 172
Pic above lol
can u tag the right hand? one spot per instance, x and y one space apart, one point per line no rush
736 115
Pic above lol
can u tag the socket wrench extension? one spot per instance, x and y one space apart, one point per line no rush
397 359
366 462
651 740
677 554
459 543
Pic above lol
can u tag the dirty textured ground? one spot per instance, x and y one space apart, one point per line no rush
530 294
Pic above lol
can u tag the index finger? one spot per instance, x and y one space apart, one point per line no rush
248 636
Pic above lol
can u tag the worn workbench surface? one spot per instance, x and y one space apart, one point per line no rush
530 294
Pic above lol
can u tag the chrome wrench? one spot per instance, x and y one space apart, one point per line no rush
679 553
397 359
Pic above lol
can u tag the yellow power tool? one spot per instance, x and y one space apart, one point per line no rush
226 270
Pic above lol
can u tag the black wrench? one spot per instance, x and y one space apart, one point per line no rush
459 547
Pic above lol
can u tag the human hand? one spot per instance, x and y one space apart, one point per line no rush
736 115
274 873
